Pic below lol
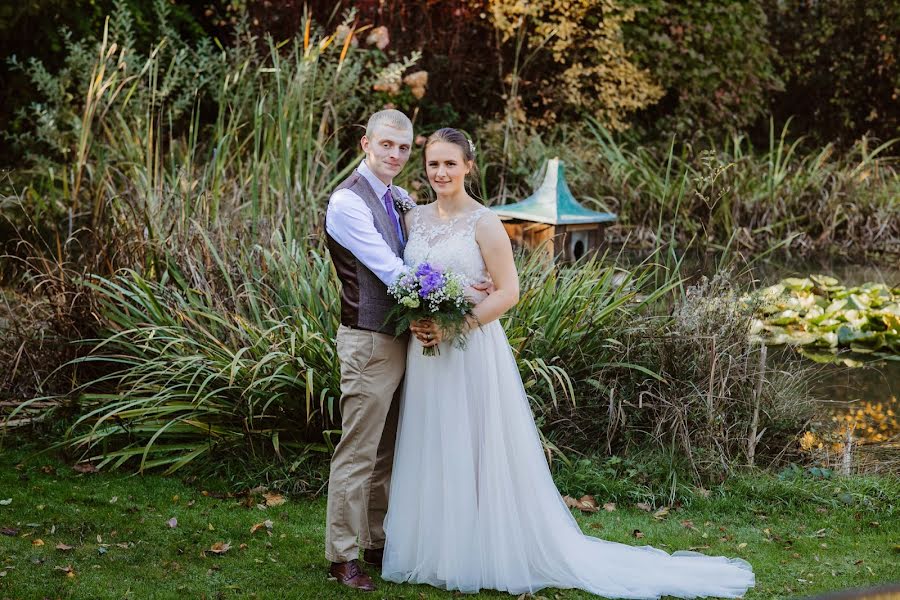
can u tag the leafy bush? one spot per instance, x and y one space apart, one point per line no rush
569 58
713 59
839 60
141 164
128 82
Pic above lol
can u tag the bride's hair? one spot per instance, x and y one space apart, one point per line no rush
454 136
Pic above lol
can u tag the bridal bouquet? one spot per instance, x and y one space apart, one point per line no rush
431 293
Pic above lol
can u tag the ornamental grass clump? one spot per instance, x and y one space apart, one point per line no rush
216 358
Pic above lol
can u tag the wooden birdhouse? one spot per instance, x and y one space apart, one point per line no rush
552 219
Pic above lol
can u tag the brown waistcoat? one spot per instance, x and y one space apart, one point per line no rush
365 302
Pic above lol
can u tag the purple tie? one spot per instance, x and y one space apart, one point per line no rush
389 207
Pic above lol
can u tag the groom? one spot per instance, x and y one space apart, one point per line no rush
366 236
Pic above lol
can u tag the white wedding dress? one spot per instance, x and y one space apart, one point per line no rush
472 503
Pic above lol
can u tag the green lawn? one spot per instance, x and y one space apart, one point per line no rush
802 536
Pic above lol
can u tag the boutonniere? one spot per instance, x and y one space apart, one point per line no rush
402 203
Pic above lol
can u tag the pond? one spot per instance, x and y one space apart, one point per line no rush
862 398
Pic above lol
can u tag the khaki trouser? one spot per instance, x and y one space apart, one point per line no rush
372 366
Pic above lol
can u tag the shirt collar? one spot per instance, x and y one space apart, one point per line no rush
377 185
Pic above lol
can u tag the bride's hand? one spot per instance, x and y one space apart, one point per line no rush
427 332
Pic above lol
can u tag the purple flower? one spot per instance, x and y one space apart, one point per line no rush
425 269
430 282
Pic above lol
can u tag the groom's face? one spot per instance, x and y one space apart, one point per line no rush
387 151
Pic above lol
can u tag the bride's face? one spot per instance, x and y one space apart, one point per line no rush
446 168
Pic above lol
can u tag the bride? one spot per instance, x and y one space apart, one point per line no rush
472 503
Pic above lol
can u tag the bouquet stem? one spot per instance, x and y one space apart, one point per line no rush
431 351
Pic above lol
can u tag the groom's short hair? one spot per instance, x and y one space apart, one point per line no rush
389 118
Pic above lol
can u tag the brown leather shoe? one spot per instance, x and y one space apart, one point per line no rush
374 557
351 575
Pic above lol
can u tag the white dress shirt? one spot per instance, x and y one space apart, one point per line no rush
350 222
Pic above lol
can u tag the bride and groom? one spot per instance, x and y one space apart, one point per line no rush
442 480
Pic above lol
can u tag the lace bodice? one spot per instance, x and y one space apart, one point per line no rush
446 243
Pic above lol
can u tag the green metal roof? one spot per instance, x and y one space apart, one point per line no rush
553 203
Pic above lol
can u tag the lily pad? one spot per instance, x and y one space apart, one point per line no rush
825 318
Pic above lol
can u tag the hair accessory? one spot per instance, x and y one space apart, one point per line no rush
471 146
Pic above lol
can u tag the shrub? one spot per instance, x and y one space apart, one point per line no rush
713 59
569 58
839 60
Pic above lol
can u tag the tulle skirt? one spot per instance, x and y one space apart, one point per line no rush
472 503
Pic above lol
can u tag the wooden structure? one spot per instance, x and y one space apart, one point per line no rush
552 219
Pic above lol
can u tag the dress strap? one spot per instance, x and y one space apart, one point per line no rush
414 217
472 219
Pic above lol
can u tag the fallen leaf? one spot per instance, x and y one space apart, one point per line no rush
267 524
47 469
609 506
220 547
173 522
63 547
68 570
637 533
585 504
661 514
10 531
114 499
588 504
84 467
703 492
600 526
37 542
6 502
742 545
688 525
273 499
644 506
210 527
243 547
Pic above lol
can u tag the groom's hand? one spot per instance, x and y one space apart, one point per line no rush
479 291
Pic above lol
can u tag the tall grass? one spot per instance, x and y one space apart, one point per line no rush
228 355
256 142
726 192
218 355
817 201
